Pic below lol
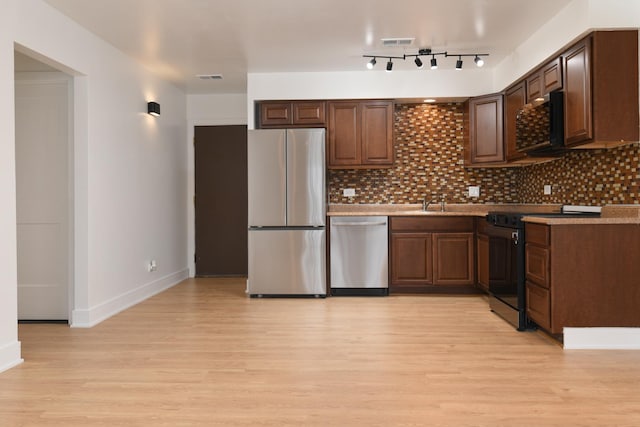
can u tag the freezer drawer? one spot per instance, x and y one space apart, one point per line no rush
287 262
359 253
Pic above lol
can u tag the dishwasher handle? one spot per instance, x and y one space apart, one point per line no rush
358 224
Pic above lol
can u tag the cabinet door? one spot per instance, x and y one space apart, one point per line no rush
377 133
486 132
411 259
453 259
537 264
344 134
515 98
534 87
482 252
578 125
538 301
551 76
308 113
275 114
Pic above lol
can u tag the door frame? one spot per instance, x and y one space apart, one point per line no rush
61 77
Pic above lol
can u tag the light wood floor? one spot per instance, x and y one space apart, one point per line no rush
202 353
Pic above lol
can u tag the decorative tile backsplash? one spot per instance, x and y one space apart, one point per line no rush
585 177
429 163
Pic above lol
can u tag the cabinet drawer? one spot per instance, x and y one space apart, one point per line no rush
537 233
537 264
539 305
417 223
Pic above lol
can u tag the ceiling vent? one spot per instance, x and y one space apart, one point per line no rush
209 76
398 42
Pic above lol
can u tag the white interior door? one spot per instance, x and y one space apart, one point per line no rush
42 181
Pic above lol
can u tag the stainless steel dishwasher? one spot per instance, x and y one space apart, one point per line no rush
359 255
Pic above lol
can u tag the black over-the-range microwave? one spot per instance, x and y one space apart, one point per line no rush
540 126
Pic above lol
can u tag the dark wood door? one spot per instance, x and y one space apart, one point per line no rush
453 259
577 94
377 133
344 134
221 200
514 98
411 259
486 133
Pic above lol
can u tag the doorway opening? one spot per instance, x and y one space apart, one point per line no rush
220 154
44 190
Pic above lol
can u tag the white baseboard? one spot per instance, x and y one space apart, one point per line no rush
87 318
602 338
10 356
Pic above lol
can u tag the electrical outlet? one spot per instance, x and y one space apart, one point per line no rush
152 266
547 190
349 192
474 191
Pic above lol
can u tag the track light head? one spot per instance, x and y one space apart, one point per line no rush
434 63
418 62
371 64
459 63
479 61
389 66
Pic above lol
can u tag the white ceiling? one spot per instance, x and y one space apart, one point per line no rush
179 39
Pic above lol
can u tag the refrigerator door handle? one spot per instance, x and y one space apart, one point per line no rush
358 224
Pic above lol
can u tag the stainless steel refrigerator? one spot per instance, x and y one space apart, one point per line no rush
287 237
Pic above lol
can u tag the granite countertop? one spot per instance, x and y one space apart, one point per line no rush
611 214
451 209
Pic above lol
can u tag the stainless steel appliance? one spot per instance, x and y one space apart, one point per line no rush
507 261
359 255
287 237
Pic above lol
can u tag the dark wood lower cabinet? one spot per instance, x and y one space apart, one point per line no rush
583 275
431 253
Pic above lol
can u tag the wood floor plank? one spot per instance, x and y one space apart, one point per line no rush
203 354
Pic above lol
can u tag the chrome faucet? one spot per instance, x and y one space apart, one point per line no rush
442 201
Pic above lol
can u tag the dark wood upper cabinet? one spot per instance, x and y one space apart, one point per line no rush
486 143
360 134
377 132
275 114
343 135
544 80
279 114
601 90
514 100
309 113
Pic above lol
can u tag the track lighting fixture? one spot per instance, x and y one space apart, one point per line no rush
477 58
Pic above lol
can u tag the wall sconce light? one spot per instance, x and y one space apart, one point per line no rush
153 108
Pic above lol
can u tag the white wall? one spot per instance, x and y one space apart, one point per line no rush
130 170
9 345
207 110
575 20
